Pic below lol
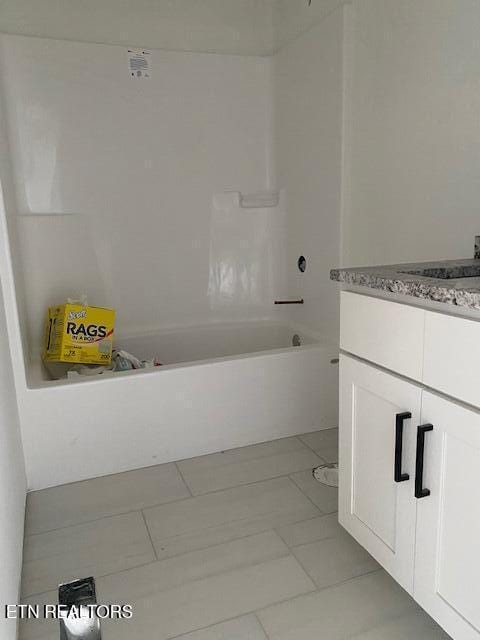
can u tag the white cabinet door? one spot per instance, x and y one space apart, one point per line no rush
377 508
447 568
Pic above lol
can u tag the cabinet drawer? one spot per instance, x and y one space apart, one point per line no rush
452 356
387 333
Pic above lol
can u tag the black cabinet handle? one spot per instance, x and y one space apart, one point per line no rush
420 492
399 420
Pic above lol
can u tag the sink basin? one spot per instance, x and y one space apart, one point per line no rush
447 273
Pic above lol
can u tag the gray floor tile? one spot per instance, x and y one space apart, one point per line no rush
310 530
41 629
188 607
244 628
247 464
324 443
335 560
95 548
167 574
225 552
196 565
338 612
107 496
326 498
213 518
414 626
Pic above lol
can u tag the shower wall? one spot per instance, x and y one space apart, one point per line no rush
118 183
130 190
116 180
308 156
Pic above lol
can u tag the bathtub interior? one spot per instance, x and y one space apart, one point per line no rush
190 345
204 343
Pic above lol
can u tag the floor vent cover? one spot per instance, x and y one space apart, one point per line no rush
84 625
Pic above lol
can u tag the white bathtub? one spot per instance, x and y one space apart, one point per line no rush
221 386
189 345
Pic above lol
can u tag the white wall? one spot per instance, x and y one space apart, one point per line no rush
221 26
307 134
132 166
244 27
12 466
415 145
12 485
291 18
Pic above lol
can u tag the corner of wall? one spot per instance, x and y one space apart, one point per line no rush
13 484
347 88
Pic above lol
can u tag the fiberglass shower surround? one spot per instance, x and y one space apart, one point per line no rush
183 202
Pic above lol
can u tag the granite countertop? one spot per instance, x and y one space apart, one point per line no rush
455 282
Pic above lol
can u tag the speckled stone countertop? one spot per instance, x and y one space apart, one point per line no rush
455 282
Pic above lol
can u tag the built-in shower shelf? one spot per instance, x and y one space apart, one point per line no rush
236 199
259 200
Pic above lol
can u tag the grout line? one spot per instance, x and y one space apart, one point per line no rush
301 448
101 477
217 544
152 506
319 590
309 446
250 612
284 600
38 595
246 614
104 517
183 478
81 522
318 452
261 625
347 580
333 584
295 546
254 612
215 624
161 504
97 577
247 484
149 535
190 551
175 500
322 512
215 573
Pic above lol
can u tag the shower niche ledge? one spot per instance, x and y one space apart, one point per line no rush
240 200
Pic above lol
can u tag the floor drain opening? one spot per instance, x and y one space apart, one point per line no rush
327 474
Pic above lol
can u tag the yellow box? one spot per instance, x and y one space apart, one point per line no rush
79 334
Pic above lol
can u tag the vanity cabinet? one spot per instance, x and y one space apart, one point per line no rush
447 566
378 511
409 465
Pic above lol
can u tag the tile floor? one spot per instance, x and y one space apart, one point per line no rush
238 545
